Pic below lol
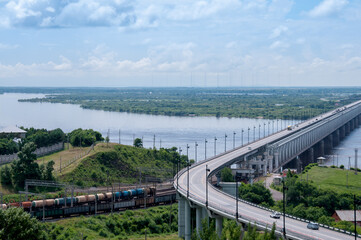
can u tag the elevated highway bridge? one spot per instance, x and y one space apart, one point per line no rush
303 142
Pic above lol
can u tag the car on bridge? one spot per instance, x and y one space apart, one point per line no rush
312 225
275 215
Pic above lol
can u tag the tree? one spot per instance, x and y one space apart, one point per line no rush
6 175
25 167
256 193
15 224
226 175
138 143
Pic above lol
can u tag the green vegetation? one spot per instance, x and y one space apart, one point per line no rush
338 180
226 175
272 103
256 193
15 224
26 168
41 138
156 221
120 163
84 138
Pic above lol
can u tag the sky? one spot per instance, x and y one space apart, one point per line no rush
188 43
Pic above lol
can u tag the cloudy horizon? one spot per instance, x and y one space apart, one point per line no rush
226 43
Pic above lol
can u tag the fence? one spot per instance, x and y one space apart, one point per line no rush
39 152
66 163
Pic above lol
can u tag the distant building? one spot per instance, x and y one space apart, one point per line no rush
347 215
12 131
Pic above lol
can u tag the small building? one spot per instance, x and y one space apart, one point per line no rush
13 132
347 215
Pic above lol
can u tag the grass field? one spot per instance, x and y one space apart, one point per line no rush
334 179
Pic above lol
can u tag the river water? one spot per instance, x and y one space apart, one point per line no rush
169 131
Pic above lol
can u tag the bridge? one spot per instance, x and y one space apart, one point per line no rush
300 143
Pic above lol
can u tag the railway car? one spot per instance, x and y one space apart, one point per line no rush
140 202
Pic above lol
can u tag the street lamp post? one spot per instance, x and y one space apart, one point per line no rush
205 149
277 125
225 142
248 134
215 146
254 133
234 140
237 178
207 170
242 136
259 131
187 173
195 151
264 129
284 207
268 127
273 126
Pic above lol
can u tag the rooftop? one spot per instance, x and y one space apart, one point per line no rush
12 129
348 215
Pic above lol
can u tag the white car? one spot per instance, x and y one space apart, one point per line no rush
275 215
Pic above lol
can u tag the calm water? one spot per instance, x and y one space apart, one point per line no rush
344 153
168 131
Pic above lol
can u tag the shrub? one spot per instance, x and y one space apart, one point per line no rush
333 166
342 166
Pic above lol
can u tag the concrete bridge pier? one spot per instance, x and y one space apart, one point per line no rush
199 217
342 132
181 216
336 137
187 220
276 156
270 164
311 155
219 225
205 215
329 143
322 148
348 128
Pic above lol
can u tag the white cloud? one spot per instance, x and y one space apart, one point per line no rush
328 7
7 46
279 45
278 31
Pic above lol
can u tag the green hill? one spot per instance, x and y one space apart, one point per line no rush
124 164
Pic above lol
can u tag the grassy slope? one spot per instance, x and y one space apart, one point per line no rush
335 179
124 225
123 163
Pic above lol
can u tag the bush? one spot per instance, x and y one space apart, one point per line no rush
342 166
333 166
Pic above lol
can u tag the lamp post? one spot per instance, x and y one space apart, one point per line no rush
354 214
264 129
248 134
180 156
273 126
268 127
225 142
284 207
205 149
195 151
259 131
254 133
207 170
234 140
242 136
277 125
215 146
187 173
237 178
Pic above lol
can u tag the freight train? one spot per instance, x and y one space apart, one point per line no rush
95 203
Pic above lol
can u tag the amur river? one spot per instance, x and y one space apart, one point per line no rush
169 131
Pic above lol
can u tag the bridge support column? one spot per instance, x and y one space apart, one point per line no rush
336 138
219 225
181 216
342 132
357 122
329 143
276 156
205 215
199 219
187 228
270 166
311 155
322 148
347 132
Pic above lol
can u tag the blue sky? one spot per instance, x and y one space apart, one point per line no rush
180 43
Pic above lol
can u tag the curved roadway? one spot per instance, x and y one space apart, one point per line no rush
225 205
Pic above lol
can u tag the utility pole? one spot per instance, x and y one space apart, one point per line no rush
195 151
207 170
187 173
154 141
119 136
354 214
215 146
225 142
205 148
234 140
284 208
248 134
242 136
